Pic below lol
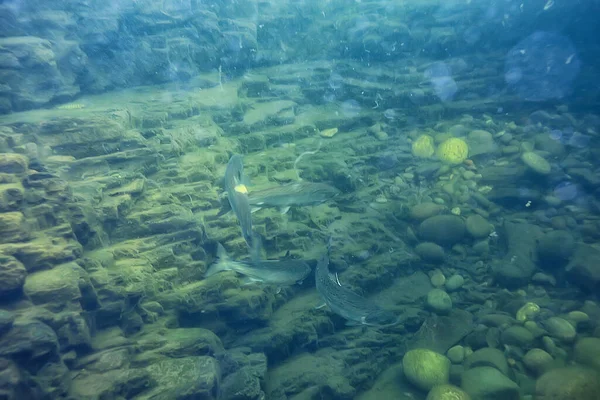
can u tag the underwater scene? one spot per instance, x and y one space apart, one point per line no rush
303 200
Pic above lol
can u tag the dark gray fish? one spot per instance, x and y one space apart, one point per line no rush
238 195
276 272
348 304
292 194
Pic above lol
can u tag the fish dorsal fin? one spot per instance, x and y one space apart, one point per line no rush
284 210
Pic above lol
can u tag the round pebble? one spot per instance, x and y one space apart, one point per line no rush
478 227
454 283
560 329
439 301
456 354
438 279
430 252
537 361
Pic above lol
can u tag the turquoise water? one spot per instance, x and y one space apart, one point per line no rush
410 209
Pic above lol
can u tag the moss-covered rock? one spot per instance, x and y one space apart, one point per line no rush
536 163
447 392
570 383
439 301
425 368
587 352
560 329
184 378
11 163
537 361
58 288
489 383
12 276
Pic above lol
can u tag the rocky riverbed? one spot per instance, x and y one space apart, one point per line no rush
110 219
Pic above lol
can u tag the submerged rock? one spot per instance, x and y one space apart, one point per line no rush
519 264
439 301
445 230
430 252
555 248
425 210
478 227
489 383
570 383
425 368
587 352
12 276
447 392
536 163
488 357
537 361
188 377
584 269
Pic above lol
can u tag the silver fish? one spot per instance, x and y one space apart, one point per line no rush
348 304
276 272
292 194
238 198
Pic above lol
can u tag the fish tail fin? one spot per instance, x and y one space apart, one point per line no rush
221 264
222 253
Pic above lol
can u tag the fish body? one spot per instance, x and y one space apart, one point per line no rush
292 194
237 195
348 304
276 272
